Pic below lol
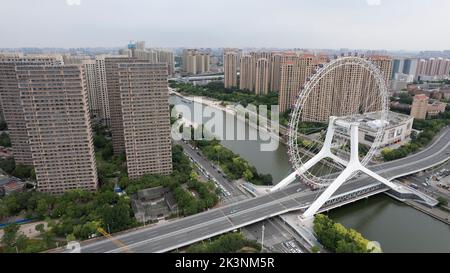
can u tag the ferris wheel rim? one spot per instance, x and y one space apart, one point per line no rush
304 93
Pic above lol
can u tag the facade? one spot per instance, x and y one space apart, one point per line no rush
230 63
146 119
339 92
195 62
114 100
397 130
275 71
246 73
436 108
56 113
419 107
102 92
433 68
262 76
90 75
12 105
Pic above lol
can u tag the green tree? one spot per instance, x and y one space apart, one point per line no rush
248 175
23 171
442 202
12 241
40 228
116 217
4 140
3 125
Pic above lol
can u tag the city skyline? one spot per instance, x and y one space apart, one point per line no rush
367 24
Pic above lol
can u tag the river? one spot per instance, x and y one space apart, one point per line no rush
396 226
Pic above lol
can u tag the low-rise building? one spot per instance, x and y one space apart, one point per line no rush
397 130
154 203
10 184
435 109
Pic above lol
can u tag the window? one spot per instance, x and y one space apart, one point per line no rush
369 138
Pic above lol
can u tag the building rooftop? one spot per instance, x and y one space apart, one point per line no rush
372 121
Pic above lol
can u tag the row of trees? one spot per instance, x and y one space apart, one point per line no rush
216 90
233 242
337 238
232 164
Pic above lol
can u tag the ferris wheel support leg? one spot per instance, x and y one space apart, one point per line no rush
380 178
324 153
332 188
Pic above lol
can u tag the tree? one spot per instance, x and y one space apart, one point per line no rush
315 249
40 228
23 171
3 211
4 140
8 165
41 208
3 125
336 238
248 175
442 202
12 241
116 217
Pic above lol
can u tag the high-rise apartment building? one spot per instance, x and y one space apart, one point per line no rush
419 106
246 73
195 62
165 56
115 104
90 75
294 71
230 64
345 90
145 110
102 92
275 71
12 104
55 108
434 67
262 76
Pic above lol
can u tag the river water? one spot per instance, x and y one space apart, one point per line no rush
396 226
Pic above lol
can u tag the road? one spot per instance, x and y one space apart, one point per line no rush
210 169
185 231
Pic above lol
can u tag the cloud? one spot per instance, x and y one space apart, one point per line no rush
73 2
373 2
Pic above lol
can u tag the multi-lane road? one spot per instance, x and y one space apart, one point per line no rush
185 231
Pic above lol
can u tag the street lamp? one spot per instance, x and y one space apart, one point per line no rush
262 239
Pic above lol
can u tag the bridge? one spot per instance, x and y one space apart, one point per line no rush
192 229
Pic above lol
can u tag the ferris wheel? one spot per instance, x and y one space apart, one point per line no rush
326 148
366 103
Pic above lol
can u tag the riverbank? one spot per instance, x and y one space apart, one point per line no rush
436 213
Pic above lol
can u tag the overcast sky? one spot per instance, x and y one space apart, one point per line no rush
365 24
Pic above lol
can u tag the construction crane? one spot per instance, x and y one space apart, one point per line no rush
113 240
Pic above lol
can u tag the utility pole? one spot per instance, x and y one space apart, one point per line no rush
262 239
